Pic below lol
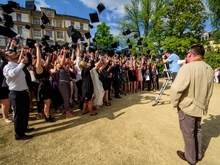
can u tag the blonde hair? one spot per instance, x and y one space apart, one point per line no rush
81 64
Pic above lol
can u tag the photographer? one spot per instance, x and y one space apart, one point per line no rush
172 59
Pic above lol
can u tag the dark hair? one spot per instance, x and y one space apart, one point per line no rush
169 52
198 50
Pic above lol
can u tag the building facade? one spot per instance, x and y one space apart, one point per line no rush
56 29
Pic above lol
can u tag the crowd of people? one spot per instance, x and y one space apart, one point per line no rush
63 76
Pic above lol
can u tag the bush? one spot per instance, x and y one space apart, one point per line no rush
213 59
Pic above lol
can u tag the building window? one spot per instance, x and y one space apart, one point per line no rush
58 24
81 26
19 17
49 34
37 33
19 30
36 21
21 43
59 34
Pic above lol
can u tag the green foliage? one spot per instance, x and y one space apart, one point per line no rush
103 36
213 59
214 7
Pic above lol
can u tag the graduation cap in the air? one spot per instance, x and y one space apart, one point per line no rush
128 40
46 37
145 44
27 27
114 45
139 42
129 46
124 33
148 52
94 17
74 46
7 32
45 19
128 31
42 26
135 36
48 50
88 35
82 39
91 50
30 43
85 44
91 26
7 9
100 7
71 31
8 21
76 36
44 42
14 4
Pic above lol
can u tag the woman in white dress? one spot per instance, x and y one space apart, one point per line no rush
98 87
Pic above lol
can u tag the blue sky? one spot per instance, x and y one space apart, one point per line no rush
81 8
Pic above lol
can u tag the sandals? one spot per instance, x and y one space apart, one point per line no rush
108 104
83 113
93 114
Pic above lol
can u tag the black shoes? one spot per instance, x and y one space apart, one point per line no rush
29 129
50 119
24 137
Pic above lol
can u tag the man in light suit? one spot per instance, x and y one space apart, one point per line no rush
190 94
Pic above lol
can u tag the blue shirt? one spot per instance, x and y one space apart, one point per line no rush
173 65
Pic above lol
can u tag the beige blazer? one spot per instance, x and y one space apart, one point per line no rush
192 89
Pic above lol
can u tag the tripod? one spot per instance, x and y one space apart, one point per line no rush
168 80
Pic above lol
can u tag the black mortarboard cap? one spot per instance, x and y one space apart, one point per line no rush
74 46
85 44
30 43
93 40
71 31
91 26
42 26
145 44
7 9
57 45
139 42
128 40
48 50
27 27
82 39
135 36
128 32
44 43
100 7
14 4
46 37
94 17
129 46
74 39
7 32
124 33
76 36
114 45
148 52
88 35
44 19
8 21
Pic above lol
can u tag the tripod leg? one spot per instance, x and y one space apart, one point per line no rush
160 93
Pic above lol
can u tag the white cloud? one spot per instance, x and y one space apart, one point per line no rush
66 2
41 3
116 7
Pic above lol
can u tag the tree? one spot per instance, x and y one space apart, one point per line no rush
103 38
184 24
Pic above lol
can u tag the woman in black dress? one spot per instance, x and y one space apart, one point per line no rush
45 88
87 86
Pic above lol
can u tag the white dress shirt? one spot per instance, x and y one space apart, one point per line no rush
15 77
